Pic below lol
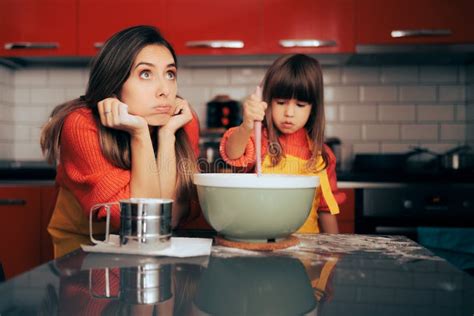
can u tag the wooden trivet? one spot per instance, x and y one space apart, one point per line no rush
261 246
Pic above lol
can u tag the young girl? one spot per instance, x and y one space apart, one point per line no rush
128 136
292 134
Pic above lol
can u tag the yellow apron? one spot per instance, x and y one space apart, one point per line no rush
69 227
294 165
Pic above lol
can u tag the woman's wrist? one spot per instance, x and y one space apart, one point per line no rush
165 134
139 134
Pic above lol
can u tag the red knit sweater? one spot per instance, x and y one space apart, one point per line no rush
84 170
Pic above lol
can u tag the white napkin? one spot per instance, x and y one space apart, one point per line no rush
180 247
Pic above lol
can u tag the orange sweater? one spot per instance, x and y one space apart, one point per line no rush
87 174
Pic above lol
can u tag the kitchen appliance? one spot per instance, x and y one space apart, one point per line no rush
223 112
400 208
425 202
415 159
457 159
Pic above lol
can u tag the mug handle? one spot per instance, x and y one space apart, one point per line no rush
107 223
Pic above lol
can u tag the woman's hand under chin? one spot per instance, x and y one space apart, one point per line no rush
181 116
114 114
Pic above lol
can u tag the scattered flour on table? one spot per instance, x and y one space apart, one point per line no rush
321 245
397 247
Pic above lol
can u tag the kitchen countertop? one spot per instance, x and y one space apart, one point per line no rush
324 274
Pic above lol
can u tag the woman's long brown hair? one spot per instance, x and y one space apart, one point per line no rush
296 77
110 69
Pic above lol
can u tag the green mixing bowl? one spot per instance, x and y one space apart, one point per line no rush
245 207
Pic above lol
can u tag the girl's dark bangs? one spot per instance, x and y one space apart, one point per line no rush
294 86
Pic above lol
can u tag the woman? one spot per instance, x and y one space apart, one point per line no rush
128 136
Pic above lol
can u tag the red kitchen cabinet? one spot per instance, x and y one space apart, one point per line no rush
414 21
19 229
98 20
309 26
38 28
214 27
345 219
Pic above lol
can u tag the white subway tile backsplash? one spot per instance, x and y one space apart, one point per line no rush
344 131
341 94
47 96
331 113
7 95
58 77
460 112
378 93
358 113
417 93
453 132
196 96
85 76
396 147
6 113
73 93
380 132
396 113
35 133
3 91
370 108
31 114
5 75
184 76
435 113
452 93
6 150
399 74
7 132
27 151
210 76
21 95
30 77
360 75
419 132
22 132
247 75
365 148
331 75
236 93
444 74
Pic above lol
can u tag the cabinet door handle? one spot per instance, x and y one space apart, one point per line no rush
31 45
215 44
98 45
4 202
420 32
289 43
